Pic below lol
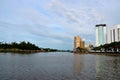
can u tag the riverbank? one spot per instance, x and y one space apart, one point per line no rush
106 53
31 51
99 53
22 51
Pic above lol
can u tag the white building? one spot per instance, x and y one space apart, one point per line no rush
114 34
100 34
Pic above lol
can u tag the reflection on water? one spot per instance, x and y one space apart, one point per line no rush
77 64
59 66
108 67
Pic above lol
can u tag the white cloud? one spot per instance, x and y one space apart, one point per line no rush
75 20
34 16
54 23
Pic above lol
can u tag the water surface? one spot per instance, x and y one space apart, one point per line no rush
59 66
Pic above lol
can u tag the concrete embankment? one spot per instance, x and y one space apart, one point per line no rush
105 53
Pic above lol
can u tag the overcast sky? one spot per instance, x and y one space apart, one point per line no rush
54 23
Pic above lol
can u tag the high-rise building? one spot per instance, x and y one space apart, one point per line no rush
114 34
78 42
100 34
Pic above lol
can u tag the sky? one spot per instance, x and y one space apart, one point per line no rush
54 23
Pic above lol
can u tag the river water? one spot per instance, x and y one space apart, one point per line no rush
59 66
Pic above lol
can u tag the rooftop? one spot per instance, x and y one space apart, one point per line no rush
104 25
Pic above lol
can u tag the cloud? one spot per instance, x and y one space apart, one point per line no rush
75 20
12 32
33 16
55 22
61 9
43 37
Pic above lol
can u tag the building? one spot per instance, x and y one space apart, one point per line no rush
78 42
114 34
100 34
89 46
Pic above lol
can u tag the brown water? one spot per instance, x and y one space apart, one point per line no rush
59 66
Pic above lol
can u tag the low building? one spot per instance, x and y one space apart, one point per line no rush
89 47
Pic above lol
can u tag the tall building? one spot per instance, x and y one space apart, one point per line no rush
78 42
114 34
100 34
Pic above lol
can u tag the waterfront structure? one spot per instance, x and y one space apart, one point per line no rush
78 43
114 34
89 47
100 34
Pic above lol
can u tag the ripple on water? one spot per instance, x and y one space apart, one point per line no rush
59 66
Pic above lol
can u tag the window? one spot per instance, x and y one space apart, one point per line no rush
114 35
111 35
118 34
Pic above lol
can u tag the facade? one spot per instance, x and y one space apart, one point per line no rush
114 34
89 46
100 34
78 42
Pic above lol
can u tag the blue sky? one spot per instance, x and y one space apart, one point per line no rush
54 23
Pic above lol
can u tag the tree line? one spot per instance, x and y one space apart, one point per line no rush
111 47
22 46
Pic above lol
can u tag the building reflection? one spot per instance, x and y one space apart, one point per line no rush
78 65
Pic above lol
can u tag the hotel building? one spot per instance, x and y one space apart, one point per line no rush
100 34
114 34
78 42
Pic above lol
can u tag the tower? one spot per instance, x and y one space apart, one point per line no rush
76 42
100 34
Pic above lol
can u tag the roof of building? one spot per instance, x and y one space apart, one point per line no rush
115 26
104 25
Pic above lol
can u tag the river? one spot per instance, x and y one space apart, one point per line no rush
59 66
